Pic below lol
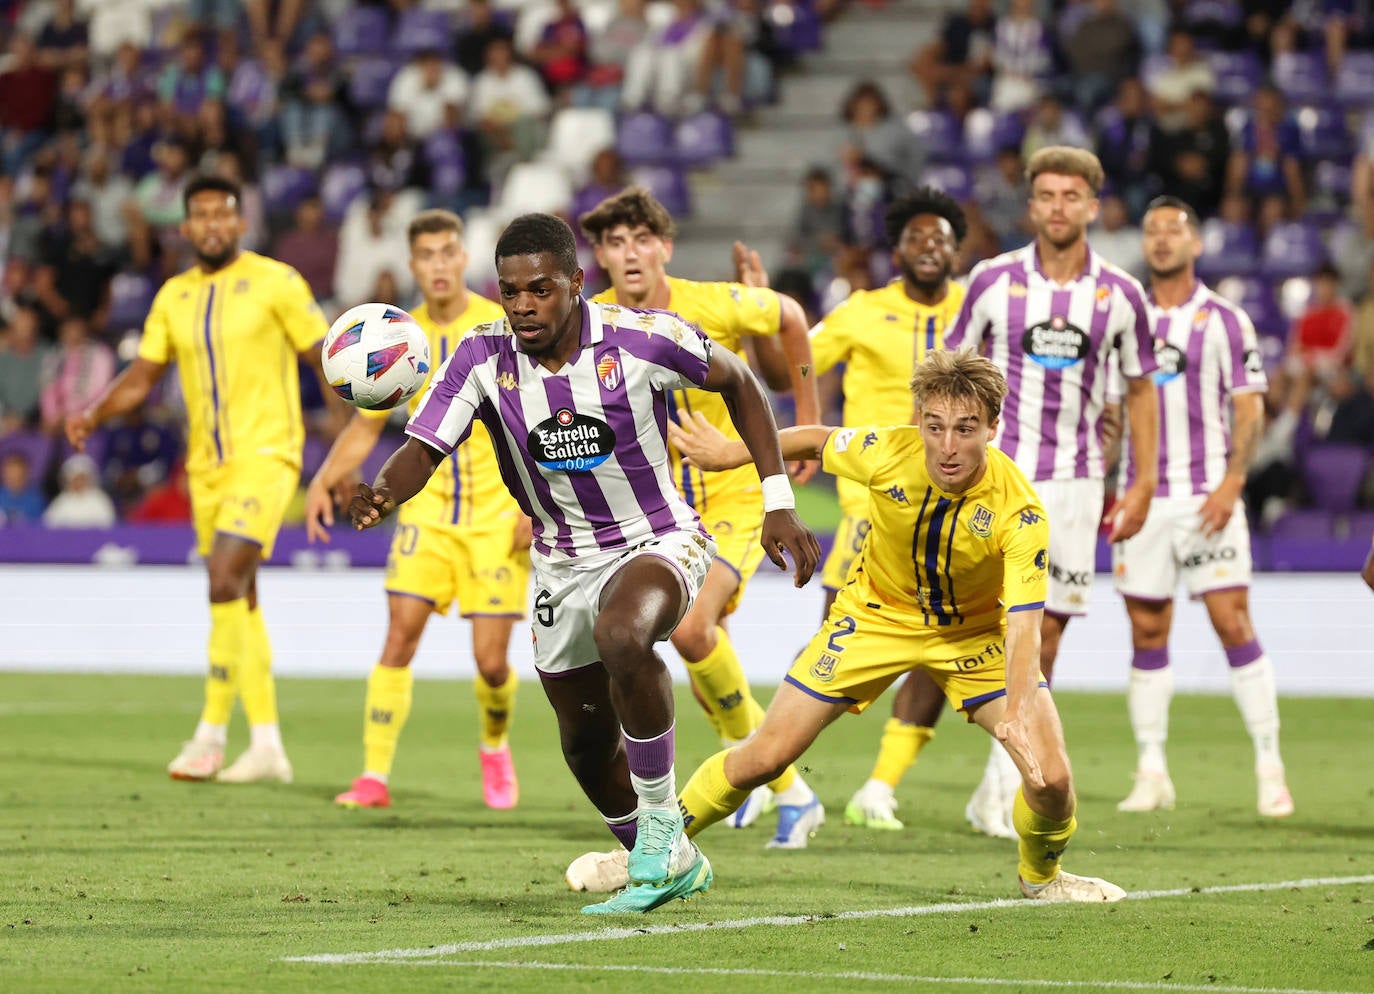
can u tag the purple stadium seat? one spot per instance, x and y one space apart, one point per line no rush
1301 76
1238 75
939 133
131 297
1333 474
1256 297
447 167
954 180
283 187
1333 178
985 133
1293 248
795 24
35 445
1322 133
419 29
1302 526
340 184
369 79
1227 250
1355 79
644 138
1361 526
361 31
668 184
701 139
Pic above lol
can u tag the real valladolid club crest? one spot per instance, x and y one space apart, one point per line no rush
608 371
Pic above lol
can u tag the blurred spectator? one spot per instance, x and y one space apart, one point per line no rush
1191 162
960 55
1362 333
611 49
62 42
114 24
252 207
17 292
216 137
314 125
607 178
865 199
394 160
1266 158
166 503
560 54
481 28
21 500
22 359
250 84
1320 340
81 503
1102 49
672 72
76 374
28 96
36 208
1052 124
214 15
74 277
880 137
818 228
1116 239
1020 57
138 454
311 246
1001 192
109 194
509 105
122 82
274 21
1352 249
372 240
1185 74
188 81
1344 410
1124 132
430 93
158 194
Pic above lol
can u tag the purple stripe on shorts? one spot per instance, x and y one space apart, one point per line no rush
595 507
650 759
1244 655
1150 659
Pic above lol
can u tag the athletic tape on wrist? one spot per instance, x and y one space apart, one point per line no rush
777 493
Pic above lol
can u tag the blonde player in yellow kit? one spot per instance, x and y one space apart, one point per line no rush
881 336
462 538
235 325
632 234
951 580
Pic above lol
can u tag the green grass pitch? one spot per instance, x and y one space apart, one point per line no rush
117 879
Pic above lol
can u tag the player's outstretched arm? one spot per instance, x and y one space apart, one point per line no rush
1142 408
128 390
748 407
705 447
350 448
402 477
1023 682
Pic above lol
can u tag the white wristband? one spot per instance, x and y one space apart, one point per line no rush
777 493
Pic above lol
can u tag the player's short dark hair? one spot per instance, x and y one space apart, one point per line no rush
432 222
218 184
1177 204
633 207
540 234
925 200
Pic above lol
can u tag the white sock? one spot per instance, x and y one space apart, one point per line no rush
1147 700
1006 774
1252 685
206 732
799 794
265 736
880 787
660 792
374 775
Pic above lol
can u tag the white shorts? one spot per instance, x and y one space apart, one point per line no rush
1074 508
1148 564
567 595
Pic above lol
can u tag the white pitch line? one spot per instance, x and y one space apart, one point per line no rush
900 978
913 911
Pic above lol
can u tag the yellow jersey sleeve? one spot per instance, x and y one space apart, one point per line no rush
298 312
1025 544
830 338
853 453
156 343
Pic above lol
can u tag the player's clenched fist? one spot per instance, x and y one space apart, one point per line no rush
368 507
783 530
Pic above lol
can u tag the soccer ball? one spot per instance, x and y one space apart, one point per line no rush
375 356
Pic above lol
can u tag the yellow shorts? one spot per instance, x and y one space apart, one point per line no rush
736 526
245 498
858 654
849 539
474 567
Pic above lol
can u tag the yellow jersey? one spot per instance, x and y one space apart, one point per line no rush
880 335
235 336
466 491
938 558
726 312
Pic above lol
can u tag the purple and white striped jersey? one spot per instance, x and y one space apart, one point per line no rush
1207 351
1053 343
582 450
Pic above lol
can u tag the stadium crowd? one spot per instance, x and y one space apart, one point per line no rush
343 118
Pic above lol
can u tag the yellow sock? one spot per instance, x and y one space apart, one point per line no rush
256 686
226 648
1042 843
724 690
902 743
389 692
708 796
495 705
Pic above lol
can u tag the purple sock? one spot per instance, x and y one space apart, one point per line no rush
625 832
1150 659
650 759
1244 655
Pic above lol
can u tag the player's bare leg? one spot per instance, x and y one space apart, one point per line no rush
1252 685
916 707
1044 813
495 688
1147 701
390 690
